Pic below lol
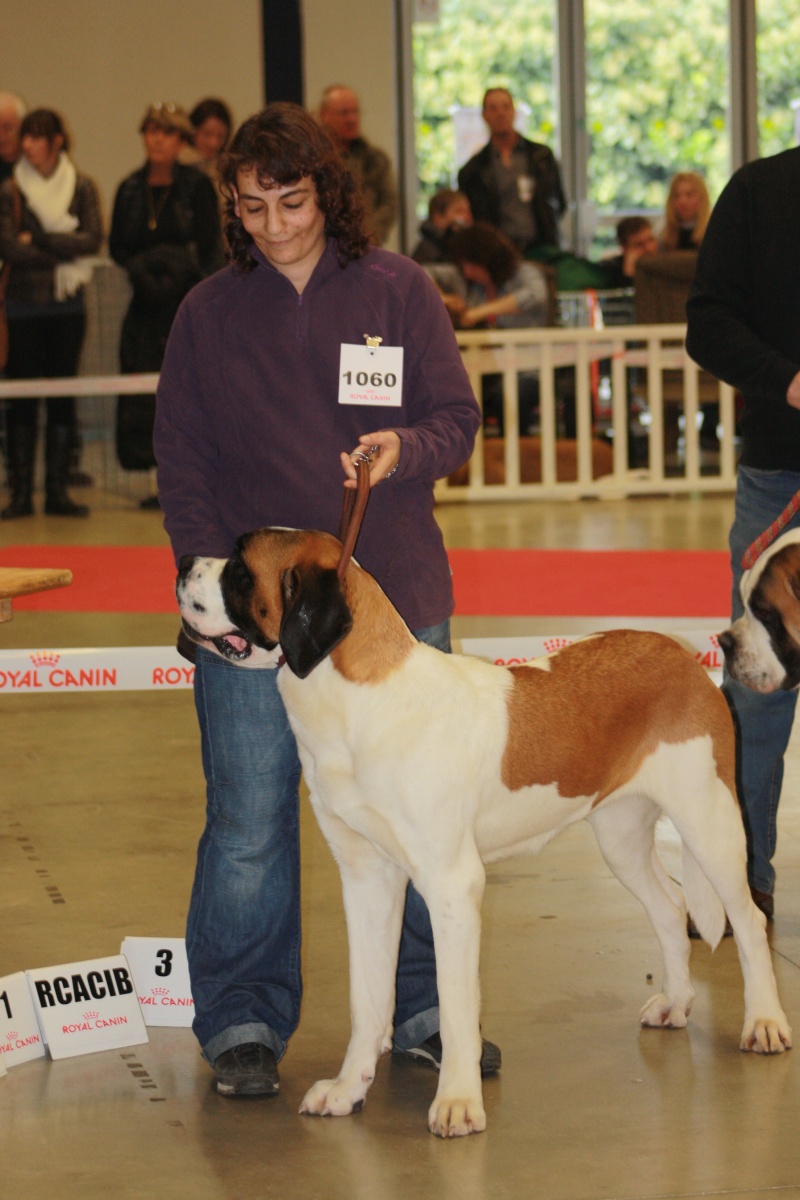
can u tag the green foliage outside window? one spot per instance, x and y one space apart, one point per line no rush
657 87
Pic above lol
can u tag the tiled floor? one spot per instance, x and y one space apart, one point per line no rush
108 789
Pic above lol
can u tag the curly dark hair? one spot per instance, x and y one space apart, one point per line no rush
486 247
283 144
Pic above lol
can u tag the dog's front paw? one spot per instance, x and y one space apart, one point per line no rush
456 1117
332 1098
767 1035
662 1013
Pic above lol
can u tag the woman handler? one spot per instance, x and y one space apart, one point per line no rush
256 397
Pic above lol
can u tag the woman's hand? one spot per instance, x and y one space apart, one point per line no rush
385 445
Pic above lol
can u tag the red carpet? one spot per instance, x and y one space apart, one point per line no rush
566 583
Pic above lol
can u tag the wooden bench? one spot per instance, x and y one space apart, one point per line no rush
23 581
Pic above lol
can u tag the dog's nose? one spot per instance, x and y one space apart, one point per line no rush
727 642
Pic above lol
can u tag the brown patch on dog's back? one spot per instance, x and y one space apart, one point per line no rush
589 721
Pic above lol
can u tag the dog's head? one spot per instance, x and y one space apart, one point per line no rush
279 592
762 648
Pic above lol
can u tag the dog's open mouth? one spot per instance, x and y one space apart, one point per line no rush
233 645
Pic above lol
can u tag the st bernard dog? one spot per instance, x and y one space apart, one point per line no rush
425 766
762 648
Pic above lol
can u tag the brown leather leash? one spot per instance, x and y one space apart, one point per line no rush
353 507
769 535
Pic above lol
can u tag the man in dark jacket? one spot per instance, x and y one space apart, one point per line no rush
340 113
513 183
744 327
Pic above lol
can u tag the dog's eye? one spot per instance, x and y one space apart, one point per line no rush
262 612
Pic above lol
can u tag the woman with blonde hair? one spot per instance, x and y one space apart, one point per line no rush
688 209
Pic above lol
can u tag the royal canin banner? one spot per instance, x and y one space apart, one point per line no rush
162 669
109 669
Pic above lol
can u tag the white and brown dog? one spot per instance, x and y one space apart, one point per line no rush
424 766
762 648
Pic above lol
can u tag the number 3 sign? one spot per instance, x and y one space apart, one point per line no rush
161 974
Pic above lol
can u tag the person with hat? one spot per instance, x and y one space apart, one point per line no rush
166 233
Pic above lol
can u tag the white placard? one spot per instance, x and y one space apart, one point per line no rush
20 1035
88 1006
160 972
371 375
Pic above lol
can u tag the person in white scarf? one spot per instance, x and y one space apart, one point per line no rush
50 227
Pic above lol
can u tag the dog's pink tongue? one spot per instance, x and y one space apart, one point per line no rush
239 644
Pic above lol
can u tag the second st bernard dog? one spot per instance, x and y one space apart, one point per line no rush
424 766
762 648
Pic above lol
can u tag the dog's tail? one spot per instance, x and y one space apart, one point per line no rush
705 906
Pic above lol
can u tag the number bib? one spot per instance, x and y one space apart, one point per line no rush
371 375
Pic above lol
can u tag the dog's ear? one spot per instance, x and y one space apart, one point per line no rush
315 616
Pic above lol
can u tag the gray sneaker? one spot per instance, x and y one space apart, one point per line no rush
429 1054
247 1070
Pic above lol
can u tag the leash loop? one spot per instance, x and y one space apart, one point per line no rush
354 505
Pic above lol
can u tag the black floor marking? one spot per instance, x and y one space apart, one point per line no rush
29 850
142 1076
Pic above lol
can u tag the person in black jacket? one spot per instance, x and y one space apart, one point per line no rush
513 183
50 229
743 318
166 233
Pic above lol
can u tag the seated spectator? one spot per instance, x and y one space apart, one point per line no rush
489 284
687 211
635 236
448 211
502 288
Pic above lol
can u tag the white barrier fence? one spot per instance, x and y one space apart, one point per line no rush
608 412
574 412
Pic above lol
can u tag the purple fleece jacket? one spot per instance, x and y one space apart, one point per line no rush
249 429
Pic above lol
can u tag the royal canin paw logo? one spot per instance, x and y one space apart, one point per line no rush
45 658
90 1016
712 637
12 1033
159 991
553 644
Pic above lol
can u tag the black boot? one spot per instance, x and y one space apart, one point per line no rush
58 450
21 454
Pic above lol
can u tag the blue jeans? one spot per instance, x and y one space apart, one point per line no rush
243 929
764 723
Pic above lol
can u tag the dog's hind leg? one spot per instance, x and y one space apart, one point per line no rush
374 895
624 829
715 837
